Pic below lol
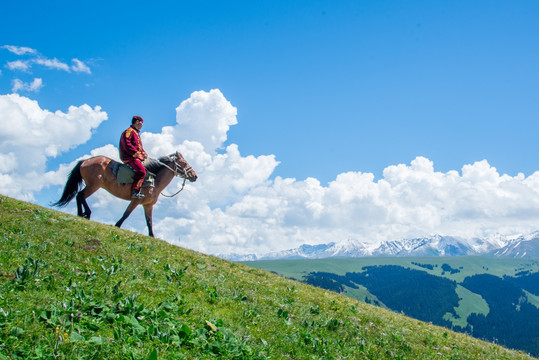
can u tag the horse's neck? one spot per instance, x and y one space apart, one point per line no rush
162 179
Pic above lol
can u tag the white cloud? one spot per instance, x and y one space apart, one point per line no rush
205 118
25 65
236 206
19 50
30 135
79 66
203 121
409 201
52 64
8 162
34 86
18 65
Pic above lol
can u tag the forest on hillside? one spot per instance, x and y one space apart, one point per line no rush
429 297
510 319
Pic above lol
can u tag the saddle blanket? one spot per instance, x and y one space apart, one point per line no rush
126 175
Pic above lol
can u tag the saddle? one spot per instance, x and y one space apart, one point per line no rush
126 175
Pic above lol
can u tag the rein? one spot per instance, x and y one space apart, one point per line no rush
176 173
177 192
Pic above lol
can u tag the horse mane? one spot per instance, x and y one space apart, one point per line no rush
154 166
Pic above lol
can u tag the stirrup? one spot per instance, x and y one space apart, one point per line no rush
137 195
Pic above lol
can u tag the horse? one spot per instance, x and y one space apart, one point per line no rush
97 172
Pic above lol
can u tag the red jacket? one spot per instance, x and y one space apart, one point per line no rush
131 146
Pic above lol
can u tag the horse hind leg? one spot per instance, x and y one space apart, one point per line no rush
82 204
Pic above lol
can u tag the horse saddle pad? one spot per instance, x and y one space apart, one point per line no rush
126 175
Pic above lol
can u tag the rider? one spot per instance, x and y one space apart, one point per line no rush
132 153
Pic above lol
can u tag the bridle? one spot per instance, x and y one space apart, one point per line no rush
178 170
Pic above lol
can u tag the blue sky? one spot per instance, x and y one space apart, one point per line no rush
325 87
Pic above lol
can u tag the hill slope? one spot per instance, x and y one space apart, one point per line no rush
75 289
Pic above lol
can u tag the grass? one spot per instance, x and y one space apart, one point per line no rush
75 289
469 303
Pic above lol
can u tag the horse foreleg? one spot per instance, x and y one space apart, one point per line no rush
132 205
148 209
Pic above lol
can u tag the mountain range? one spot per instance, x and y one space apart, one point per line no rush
521 246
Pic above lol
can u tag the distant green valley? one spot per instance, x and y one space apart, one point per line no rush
491 299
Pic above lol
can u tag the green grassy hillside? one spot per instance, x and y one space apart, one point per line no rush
75 289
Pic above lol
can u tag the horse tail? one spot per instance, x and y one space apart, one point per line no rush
72 186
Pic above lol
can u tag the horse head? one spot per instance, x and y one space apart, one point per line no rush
182 167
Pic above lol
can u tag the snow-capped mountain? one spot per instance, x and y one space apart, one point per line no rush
303 252
436 245
520 247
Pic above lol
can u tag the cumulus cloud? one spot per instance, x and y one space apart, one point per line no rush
236 205
202 123
410 200
30 135
205 118
34 86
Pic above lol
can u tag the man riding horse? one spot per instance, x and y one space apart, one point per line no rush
98 172
133 154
